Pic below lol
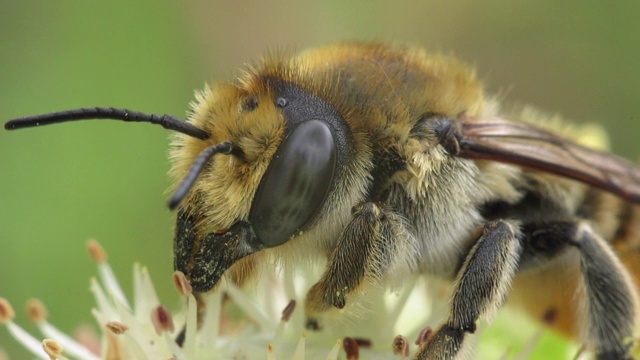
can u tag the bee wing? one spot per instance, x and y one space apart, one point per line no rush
497 139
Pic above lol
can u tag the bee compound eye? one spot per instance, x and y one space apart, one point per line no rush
296 183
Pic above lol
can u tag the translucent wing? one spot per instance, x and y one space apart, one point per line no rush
497 139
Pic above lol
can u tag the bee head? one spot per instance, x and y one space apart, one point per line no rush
262 177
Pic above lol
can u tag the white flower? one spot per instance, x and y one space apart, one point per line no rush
268 325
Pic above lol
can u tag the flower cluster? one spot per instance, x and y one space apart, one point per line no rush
238 324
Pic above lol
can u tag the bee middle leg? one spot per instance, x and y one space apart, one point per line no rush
368 246
480 288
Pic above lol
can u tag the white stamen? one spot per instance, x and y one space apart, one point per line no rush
29 342
299 354
245 303
174 348
333 354
70 346
111 283
144 293
137 350
100 318
104 305
277 337
289 285
376 315
143 335
189 345
211 326
52 348
401 301
270 352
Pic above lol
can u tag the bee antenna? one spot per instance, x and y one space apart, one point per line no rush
225 147
166 121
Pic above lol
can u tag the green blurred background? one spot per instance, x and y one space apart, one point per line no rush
62 185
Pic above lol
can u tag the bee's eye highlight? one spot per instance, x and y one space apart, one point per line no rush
296 183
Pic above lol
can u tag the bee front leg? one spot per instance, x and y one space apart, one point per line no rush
480 288
364 251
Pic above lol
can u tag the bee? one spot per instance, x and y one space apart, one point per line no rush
387 161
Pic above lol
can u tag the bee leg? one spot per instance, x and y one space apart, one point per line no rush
366 248
611 305
481 287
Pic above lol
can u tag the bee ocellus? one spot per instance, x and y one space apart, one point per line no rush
388 160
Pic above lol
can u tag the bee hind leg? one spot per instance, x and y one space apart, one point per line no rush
610 306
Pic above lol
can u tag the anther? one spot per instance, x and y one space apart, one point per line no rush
36 310
6 311
117 328
424 336
162 320
182 283
288 311
96 251
400 346
351 347
52 348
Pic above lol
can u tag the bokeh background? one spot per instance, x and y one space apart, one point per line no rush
62 185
